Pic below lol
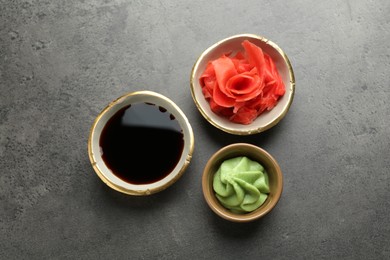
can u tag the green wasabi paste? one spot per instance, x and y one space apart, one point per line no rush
241 184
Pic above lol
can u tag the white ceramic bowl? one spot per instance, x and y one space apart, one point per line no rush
112 180
233 44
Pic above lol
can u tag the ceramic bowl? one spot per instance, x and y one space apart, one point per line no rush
255 153
107 175
232 44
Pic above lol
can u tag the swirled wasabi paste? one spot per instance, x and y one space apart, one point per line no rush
241 184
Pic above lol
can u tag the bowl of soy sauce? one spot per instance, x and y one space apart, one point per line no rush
141 143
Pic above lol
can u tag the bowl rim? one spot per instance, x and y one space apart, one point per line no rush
149 190
276 120
208 193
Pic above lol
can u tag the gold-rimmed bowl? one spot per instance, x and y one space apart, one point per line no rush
107 175
231 45
254 153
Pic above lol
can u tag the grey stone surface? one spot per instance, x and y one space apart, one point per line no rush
61 62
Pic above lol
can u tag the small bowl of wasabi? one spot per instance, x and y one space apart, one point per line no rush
243 84
140 143
242 182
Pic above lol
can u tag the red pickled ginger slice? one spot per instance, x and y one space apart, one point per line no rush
224 69
244 116
255 57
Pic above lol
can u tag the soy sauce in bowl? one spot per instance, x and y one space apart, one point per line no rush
140 143
137 133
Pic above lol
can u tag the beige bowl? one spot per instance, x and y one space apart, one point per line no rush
107 175
255 153
265 120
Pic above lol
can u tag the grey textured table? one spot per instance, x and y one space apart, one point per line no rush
61 62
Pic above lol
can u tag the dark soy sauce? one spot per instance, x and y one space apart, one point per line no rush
142 143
